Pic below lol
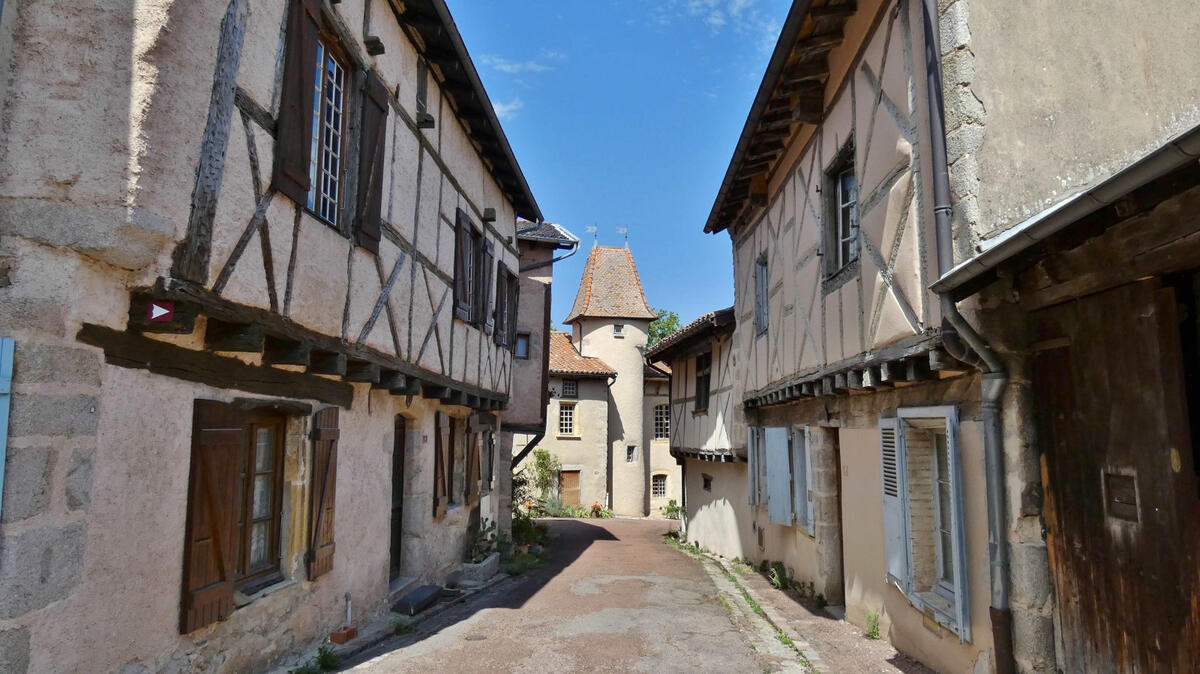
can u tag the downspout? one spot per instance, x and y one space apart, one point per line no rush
544 263
957 331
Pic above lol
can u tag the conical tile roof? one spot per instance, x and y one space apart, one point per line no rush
610 287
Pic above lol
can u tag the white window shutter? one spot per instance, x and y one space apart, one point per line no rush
962 596
751 466
895 503
6 372
800 479
779 475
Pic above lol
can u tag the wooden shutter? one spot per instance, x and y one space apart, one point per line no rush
370 167
501 310
210 542
514 295
462 259
7 346
958 529
779 476
324 492
441 442
484 296
752 465
293 129
895 503
801 479
473 472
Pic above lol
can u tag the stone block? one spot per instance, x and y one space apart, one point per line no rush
39 363
963 107
39 567
955 31
476 574
1030 566
53 415
27 474
14 651
1033 640
958 68
966 139
25 314
79 480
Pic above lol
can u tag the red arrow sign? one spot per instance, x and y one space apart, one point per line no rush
160 311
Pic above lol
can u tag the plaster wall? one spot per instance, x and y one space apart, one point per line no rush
723 425
1044 101
661 462
719 520
630 480
586 450
818 317
527 407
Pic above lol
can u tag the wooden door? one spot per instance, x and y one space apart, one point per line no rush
1121 500
568 487
397 525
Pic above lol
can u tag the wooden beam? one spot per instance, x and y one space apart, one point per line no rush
127 349
854 380
435 392
411 387
361 371
280 351
844 10
373 44
327 362
817 45
390 379
809 110
227 336
758 190
918 368
804 71
892 371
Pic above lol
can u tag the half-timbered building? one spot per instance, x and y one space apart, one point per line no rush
260 264
862 434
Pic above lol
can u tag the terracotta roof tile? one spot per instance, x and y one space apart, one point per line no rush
610 287
701 327
565 359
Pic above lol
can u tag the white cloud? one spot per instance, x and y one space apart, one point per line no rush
508 110
512 67
743 17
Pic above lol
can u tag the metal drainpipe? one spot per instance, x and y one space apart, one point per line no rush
995 376
544 263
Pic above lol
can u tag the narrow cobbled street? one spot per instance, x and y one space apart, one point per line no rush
612 597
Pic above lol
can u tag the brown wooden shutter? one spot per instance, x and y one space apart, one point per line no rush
484 297
462 255
502 311
324 492
210 543
472 468
441 441
370 167
514 294
293 129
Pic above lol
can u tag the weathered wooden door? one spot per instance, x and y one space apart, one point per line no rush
397 524
568 487
1121 499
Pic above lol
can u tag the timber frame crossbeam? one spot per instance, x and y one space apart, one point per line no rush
907 363
295 361
713 455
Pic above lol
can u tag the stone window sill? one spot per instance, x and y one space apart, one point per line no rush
566 437
240 600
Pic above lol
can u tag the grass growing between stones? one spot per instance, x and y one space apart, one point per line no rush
785 639
524 561
872 624
402 627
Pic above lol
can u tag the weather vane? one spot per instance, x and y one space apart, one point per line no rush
595 236
625 231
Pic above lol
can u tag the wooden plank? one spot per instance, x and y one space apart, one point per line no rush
221 335
390 379
126 349
892 371
433 392
361 371
279 351
327 362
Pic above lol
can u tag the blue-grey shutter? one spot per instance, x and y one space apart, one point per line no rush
895 500
779 476
962 596
6 370
751 466
801 479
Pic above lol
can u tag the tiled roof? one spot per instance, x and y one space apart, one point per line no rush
610 287
565 359
656 371
545 232
702 326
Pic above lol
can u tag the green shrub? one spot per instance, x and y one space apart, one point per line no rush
327 659
672 511
307 668
600 512
872 624
779 576
821 601
483 541
522 562
545 470
401 627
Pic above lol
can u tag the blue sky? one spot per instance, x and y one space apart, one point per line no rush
625 114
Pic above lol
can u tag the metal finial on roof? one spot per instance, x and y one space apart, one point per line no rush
625 231
595 236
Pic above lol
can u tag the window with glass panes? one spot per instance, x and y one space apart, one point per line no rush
662 422
658 486
261 490
566 419
570 388
325 168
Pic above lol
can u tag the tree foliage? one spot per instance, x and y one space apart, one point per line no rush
666 324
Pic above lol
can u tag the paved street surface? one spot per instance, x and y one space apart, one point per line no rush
612 598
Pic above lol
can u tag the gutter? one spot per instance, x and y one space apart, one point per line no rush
1180 151
995 377
547 263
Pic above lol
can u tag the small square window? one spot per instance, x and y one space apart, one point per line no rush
570 388
618 330
707 481
630 453
521 348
